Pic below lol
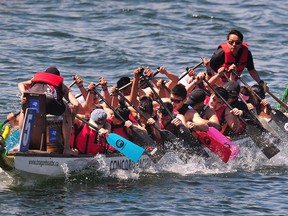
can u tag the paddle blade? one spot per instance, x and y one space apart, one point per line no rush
1 126
190 142
265 143
155 153
281 119
213 132
126 147
167 136
141 137
222 151
12 140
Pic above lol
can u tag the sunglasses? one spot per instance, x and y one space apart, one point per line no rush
175 100
231 42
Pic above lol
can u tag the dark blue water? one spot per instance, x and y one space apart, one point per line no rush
111 39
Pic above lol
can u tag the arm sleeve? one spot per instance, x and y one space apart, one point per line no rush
217 59
250 62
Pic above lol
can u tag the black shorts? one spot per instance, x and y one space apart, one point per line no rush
55 107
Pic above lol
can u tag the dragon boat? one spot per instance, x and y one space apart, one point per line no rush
42 153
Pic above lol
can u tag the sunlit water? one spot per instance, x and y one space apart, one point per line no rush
111 39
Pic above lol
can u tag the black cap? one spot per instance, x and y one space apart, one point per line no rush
53 70
123 81
196 96
232 87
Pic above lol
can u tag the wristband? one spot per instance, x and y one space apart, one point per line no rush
80 86
105 89
260 82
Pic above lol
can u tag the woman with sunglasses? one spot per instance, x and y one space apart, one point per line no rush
234 55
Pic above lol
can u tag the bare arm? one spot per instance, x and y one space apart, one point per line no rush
22 86
254 74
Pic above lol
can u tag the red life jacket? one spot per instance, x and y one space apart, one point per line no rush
51 79
88 141
230 59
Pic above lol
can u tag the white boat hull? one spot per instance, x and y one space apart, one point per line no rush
59 165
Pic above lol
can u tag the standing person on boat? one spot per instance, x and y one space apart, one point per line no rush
234 55
91 140
196 100
51 84
178 98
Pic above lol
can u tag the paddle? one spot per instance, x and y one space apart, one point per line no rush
259 119
12 140
7 120
222 151
126 147
184 133
276 115
221 138
255 132
193 68
141 84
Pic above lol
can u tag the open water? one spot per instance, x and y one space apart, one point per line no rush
111 39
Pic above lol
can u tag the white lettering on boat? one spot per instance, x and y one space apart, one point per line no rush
127 164
43 163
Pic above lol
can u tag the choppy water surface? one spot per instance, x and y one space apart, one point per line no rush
111 39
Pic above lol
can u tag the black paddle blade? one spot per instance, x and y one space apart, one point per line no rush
265 143
280 119
153 150
141 138
167 136
190 142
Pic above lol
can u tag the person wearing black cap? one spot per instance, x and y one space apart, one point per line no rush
51 84
196 100
234 54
